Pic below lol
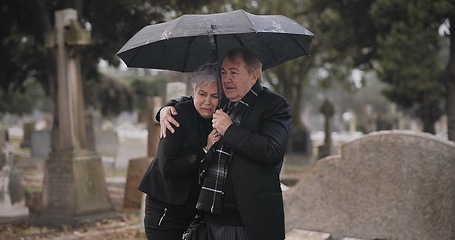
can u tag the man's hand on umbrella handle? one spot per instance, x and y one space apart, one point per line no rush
167 119
221 121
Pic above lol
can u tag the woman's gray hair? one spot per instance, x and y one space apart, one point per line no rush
205 74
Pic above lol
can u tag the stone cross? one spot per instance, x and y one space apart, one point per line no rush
370 119
75 191
328 110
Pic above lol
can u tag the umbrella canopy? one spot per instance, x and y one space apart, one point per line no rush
194 39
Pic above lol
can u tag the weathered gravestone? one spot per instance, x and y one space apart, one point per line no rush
40 144
328 110
136 169
12 197
107 144
133 198
386 185
74 187
298 234
28 127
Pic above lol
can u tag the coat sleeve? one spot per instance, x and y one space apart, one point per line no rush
174 160
172 102
265 134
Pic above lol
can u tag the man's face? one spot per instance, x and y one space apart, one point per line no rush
235 78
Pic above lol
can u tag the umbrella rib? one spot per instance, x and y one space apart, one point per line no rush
188 52
298 44
240 41
251 23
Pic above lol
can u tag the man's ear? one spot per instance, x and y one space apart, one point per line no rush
255 76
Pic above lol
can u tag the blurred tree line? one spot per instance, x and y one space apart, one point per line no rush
397 41
25 58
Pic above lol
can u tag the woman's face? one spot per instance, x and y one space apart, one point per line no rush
205 99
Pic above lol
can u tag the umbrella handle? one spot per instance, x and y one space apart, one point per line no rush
212 40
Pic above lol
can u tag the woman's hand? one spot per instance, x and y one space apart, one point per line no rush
212 138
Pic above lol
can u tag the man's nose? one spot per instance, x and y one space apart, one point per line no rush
226 78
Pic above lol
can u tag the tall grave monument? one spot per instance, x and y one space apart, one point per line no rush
74 192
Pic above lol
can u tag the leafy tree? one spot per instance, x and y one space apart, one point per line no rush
397 39
113 96
449 78
413 72
111 22
24 102
145 87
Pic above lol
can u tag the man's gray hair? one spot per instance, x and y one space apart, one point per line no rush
251 60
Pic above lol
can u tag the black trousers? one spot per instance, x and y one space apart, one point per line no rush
158 234
164 221
224 232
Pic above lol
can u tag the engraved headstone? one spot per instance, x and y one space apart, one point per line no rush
386 185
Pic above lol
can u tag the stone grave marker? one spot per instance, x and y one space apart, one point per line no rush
299 234
107 145
3 157
28 127
12 196
40 144
133 198
386 185
327 109
74 185
135 172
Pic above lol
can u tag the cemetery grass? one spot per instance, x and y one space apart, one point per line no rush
126 227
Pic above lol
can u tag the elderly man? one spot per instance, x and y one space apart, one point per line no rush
241 195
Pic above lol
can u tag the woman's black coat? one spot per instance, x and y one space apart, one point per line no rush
173 174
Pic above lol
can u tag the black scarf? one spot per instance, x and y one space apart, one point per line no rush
218 158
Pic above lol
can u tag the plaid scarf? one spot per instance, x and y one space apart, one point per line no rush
211 195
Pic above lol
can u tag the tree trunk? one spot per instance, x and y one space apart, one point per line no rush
450 84
430 112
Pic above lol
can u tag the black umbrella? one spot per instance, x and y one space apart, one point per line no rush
193 39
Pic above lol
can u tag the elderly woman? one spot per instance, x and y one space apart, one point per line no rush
171 181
